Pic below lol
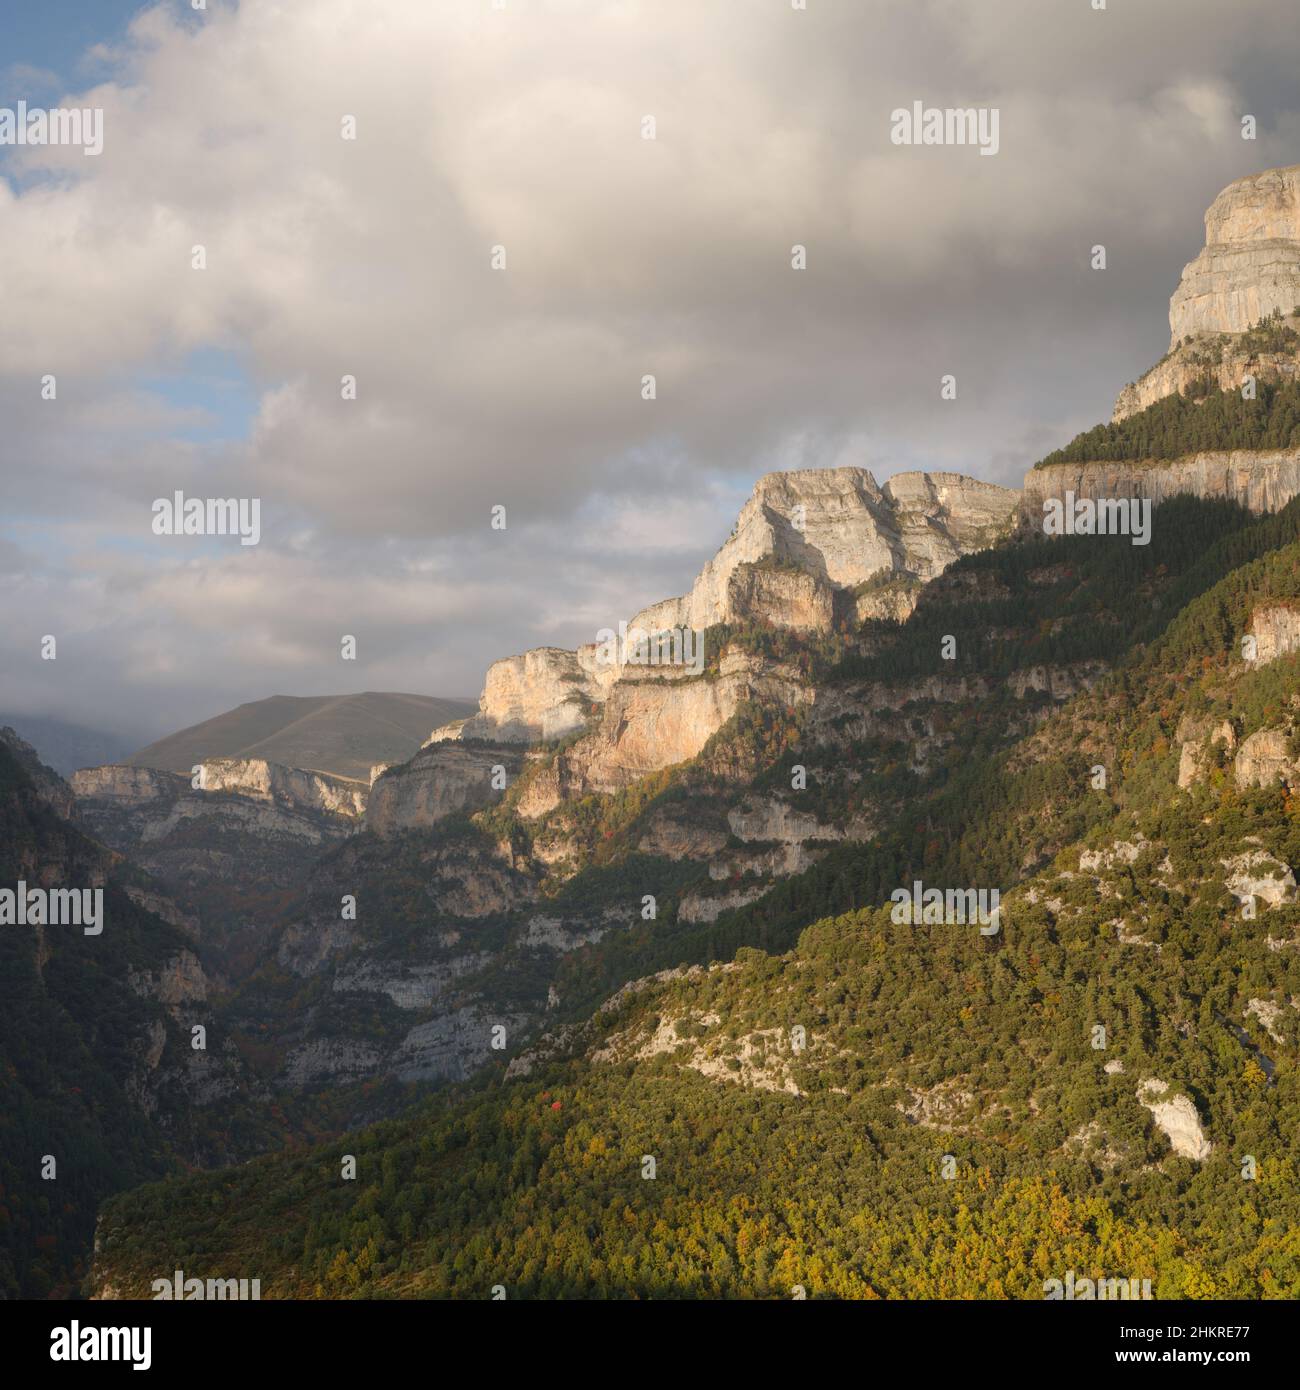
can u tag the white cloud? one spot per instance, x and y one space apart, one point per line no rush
522 127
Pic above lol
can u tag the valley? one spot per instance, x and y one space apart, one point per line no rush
600 983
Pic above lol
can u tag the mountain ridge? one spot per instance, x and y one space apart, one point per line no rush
343 735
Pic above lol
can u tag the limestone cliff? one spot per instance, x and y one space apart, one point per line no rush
1248 271
249 835
839 527
1261 482
1276 630
285 786
1220 361
442 779
289 787
802 545
1251 262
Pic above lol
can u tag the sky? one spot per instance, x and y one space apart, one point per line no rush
522 127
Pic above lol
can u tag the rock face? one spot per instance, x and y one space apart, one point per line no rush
250 835
1261 482
1264 760
801 541
1276 629
771 819
1225 360
288 787
285 786
788 599
1248 271
127 786
442 779
838 526
542 694
1251 262
1195 754
1258 874
1177 1116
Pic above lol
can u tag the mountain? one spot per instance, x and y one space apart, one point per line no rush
879 1106
809 551
646 918
1235 309
66 747
487 857
343 735
99 1076
232 850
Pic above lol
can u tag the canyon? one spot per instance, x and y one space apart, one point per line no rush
399 919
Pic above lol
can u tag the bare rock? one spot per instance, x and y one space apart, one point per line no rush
442 779
1276 629
1177 1116
1251 262
1264 760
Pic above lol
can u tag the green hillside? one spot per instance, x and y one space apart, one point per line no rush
950 1126
1203 419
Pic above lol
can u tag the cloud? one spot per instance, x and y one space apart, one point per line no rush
522 128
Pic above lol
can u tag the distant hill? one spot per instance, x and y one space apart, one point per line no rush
342 734
66 747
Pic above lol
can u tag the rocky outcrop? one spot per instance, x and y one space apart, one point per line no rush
1269 1015
285 786
48 785
705 907
769 819
1276 630
1265 760
778 861
442 779
1248 271
542 694
453 1046
673 834
1260 482
255 778
802 540
177 982
1258 874
650 724
840 526
127 786
1177 1116
786 598
1221 361
1199 739
1251 262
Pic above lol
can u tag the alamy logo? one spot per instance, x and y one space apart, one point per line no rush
179 515
951 907
1074 1290
180 1289
949 125
1105 516
59 126
77 1343
673 646
53 907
